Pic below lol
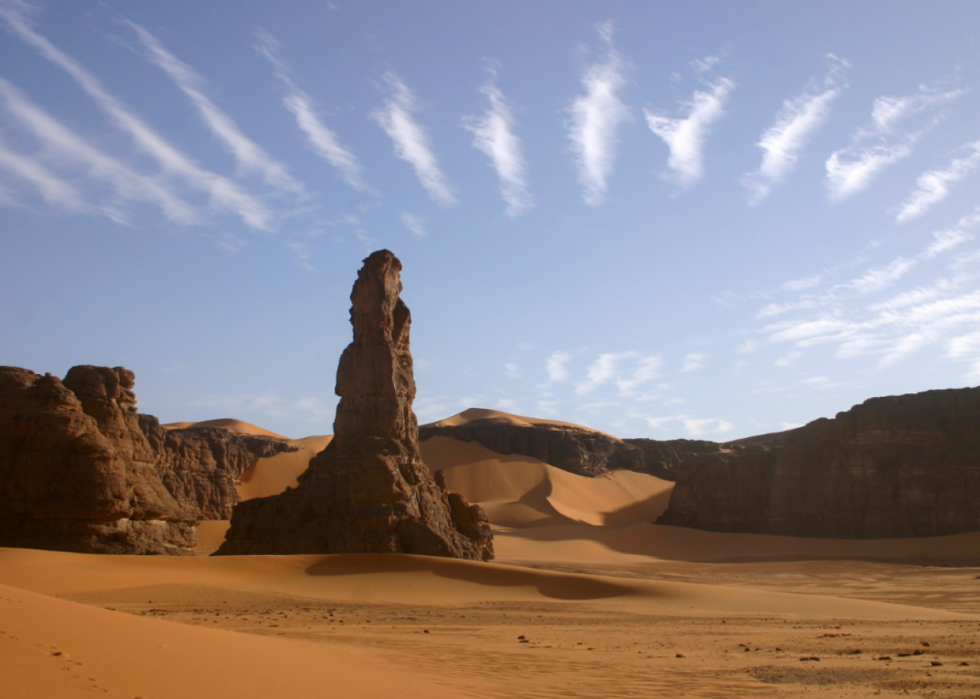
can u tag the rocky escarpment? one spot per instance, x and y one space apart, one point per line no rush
199 466
76 472
901 466
575 449
369 490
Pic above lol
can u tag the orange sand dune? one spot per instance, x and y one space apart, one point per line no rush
644 543
405 579
520 491
485 413
236 426
56 648
273 475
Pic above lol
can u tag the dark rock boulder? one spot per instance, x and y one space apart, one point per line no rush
199 466
76 472
369 490
901 466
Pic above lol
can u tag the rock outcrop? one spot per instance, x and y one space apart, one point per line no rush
199 466
901 466
369 490
76 472
576 449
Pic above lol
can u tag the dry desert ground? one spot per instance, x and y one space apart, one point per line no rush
586 598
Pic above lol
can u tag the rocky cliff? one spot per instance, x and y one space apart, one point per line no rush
369 490
199 466
76 472
576 449
901 466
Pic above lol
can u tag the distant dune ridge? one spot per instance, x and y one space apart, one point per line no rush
369 490
572 448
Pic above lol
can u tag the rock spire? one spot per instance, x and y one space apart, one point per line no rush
369 490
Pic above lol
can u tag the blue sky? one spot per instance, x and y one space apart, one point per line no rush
699 219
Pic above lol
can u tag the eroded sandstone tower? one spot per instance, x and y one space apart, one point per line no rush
368 491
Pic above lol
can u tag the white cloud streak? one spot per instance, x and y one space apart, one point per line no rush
685 136
693 361
933 185
647 369
64 146
323 141
54 190
876 148
602 370
416 224
595 118
796 122
248 155
557 366
411 142
493 135
223 193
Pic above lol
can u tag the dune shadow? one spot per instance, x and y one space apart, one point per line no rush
557 586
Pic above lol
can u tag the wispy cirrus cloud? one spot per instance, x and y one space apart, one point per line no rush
321 139
557 366
933 185
858 318
223 193
595 118
685 135
411 142
493 135
647 369
796 122
693 361
416 224
249 156
878 146
63 147
54 190
602 370
695 427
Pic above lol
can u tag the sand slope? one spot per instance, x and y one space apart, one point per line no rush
520 491
404 579
486 414
236 426
55 648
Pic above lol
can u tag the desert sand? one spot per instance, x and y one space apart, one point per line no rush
586 598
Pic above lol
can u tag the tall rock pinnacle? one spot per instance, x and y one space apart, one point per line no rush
368 491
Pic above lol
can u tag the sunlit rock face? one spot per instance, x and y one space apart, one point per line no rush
369 490
901 466
76 471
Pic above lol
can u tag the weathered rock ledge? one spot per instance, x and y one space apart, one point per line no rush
899 466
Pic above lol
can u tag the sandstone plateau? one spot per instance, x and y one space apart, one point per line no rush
900 466
76 472
80 470
369 490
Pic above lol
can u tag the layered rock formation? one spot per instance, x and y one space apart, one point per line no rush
76 472
369 490
199 466
901 466
576 449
